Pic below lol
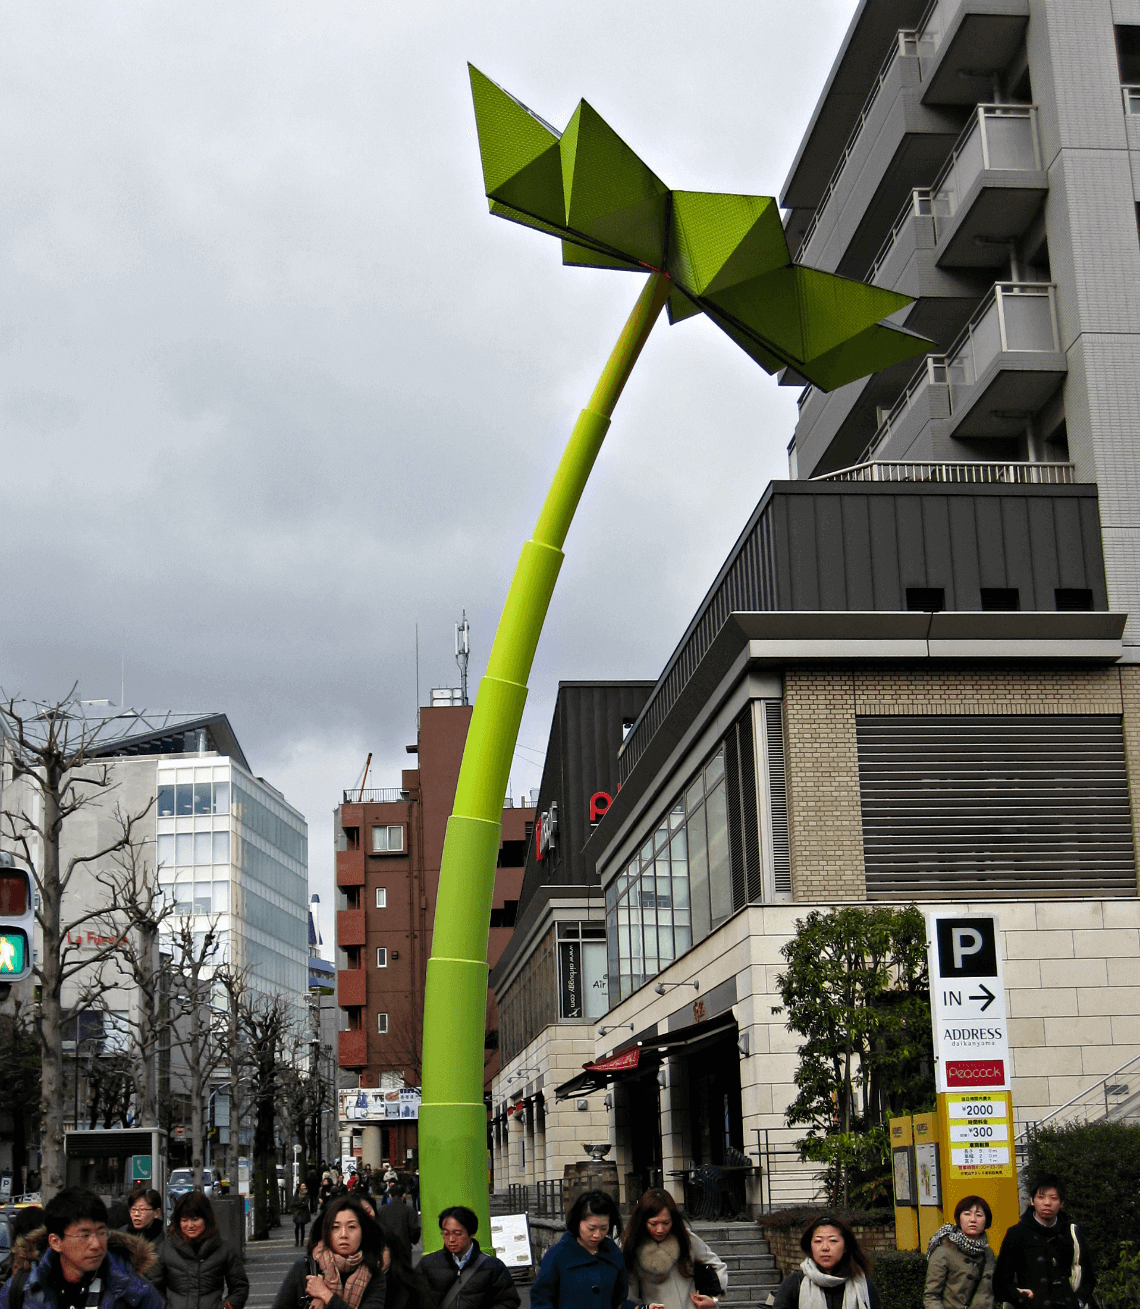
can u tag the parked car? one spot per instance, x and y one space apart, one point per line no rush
182 1180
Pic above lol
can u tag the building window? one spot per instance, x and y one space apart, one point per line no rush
926 599
584 992
381 956
1128 53
381 897
382 1024
998 599
388 840
1073 598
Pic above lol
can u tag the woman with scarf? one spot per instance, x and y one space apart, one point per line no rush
344 1269
663 1258
960 1267
198 1268
834 1274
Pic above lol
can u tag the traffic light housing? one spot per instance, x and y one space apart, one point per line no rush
17 921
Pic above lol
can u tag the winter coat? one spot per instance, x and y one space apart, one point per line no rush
488 1287
1047 1261
401 1225
205 1278
129 1260
292 1294
788 1294
155 1236
656 1279
300 1209
407 1288
956 1279
570 1277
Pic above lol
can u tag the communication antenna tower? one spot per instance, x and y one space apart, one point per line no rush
463 653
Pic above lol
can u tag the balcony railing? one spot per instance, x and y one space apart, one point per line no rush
374 795
917 206
932 26
998 137
1131 96
903 45
885 471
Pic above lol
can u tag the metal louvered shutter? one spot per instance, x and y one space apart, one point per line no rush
778 798
743 818
1033 806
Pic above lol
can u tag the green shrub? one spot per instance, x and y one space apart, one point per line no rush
1099 1164
900 1276
798 1217
1120 1287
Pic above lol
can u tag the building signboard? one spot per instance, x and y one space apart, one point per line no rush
510 1238
368 1105
967 1003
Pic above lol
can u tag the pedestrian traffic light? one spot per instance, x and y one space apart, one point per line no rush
17 921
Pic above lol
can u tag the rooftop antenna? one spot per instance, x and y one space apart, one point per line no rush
417 678
462 654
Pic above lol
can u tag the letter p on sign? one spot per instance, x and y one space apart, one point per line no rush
966 947
967 941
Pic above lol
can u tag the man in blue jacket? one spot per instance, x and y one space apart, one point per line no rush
77 1271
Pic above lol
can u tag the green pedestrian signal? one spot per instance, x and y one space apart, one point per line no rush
17 921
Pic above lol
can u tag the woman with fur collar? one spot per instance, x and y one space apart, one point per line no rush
661 1253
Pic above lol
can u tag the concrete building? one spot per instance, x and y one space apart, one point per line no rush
389 845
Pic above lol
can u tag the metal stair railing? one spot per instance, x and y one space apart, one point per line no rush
1114 1098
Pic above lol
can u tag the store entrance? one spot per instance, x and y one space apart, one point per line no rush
643 1100
716 1121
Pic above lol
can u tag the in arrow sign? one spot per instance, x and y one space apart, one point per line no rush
986 995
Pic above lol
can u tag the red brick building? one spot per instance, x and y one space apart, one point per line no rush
389 849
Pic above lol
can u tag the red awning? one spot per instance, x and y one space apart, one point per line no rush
616 1063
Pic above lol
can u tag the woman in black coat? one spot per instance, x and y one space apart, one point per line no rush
199 1269
344 1269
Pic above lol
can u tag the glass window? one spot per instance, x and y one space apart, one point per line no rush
715 771
202 798
221 897
165 851
202 897
387 840
203 847
221 845
694 795
166 802
381 957
382 1024
677 816
720 866
221 797
183 896
184 848
381 897
184 798
699 874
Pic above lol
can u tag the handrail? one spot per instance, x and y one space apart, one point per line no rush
909 210
980 471
903 38
1036 1123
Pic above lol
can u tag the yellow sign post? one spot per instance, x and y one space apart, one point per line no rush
905 1184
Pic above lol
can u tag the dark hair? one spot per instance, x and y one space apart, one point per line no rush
968 1202
466 1218
1046 1182
75 1204
852 1254
26 1220
192 1205
599 1204
651 1204
151 1197
402 1271
371 1239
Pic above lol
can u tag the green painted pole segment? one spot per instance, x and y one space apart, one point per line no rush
453 1118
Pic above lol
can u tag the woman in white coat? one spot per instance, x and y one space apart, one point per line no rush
662 1258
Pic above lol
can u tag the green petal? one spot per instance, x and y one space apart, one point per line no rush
716 240
519 151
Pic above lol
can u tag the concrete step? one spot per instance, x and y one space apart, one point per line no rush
747 1262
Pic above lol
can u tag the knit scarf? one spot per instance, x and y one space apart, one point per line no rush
973 1245
657 1259
352 1268
816 1281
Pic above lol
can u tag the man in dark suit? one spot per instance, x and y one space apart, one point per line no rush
399 1222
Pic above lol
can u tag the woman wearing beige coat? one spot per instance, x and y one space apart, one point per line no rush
960 1263
661 1255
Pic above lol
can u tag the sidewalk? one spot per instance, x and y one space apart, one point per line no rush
267 1262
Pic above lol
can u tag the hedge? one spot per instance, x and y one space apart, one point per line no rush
900 1276
1099 1164
801 1215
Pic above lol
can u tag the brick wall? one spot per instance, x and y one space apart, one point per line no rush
784 1242
1001 690
825 826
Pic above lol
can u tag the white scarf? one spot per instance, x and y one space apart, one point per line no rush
855 1293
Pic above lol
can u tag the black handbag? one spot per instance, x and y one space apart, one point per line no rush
706 1279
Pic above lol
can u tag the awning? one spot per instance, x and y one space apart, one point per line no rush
603 1071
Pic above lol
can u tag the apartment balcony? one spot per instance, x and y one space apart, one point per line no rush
1002 369
990 188
351 989
350 868
896 142
965 44
349 927
352 1049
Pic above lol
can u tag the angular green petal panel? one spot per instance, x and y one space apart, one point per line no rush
726 254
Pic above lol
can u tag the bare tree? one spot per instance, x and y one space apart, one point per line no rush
264 1021
54 750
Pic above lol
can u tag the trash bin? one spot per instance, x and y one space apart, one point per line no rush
230 1213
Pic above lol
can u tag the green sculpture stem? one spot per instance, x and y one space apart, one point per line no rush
453 1118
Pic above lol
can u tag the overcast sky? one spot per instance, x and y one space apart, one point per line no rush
276 387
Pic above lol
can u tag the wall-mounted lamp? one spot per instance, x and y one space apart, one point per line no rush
742 1044
607 1101
662 987
662 1080
521 1074
614 1027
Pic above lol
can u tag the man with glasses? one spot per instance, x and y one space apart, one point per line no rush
83 1266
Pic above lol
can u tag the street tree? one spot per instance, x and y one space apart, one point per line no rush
52 751
19 1085
265 1021
857 991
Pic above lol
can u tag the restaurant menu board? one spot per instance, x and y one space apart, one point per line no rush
511 1238
979 1126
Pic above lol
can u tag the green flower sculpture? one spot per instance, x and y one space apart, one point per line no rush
723 255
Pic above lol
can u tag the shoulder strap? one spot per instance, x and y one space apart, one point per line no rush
461 1281
16 1290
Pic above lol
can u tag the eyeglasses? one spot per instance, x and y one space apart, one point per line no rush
87 1235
